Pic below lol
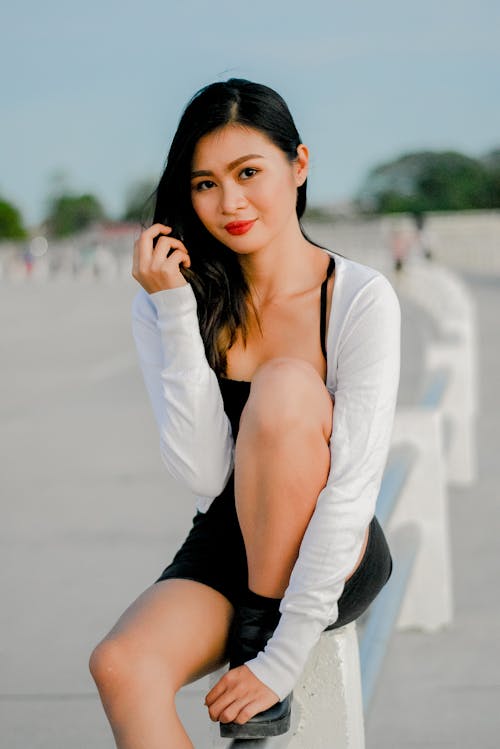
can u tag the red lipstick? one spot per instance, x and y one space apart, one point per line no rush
239 227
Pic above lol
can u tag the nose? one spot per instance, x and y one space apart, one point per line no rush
232 199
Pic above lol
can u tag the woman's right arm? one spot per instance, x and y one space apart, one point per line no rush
196 443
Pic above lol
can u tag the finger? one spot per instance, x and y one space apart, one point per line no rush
219 707
135 260
163 251
161 262
144 245
166 243
247 711
237 711
155 229
149 236
141 259
215 692
230 680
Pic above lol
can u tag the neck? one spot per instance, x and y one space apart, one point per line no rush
289 265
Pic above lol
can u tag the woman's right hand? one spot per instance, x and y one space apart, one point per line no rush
151 267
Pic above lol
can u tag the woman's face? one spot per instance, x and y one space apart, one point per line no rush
240 177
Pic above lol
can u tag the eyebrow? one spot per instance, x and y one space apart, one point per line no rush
232 165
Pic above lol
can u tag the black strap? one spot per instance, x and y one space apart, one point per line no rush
331 266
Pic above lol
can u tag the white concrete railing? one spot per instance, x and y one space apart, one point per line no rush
327 702
423 504
445 298
336 686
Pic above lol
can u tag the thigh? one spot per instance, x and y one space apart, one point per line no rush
181 623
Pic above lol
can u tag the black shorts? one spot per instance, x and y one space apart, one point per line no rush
214 553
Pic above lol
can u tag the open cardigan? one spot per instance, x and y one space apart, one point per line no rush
197 446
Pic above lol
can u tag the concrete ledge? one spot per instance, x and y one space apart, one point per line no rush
327 709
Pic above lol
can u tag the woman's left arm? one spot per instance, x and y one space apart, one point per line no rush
365 402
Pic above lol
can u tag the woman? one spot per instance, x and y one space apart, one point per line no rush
272 366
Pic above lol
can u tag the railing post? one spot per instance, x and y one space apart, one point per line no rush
428 600
458 407
327 708
329 695
447 300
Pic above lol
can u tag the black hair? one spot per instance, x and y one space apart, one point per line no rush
216 276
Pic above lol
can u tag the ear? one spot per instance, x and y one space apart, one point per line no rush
301 164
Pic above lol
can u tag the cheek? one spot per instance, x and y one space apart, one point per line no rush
266 195
201 207
277 202
205 207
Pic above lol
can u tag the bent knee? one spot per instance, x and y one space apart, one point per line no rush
289 367
288 390
109 661
116 663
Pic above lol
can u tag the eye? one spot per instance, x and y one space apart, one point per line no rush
199 187
249 169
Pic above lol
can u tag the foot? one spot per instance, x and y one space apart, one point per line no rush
251 629
271 722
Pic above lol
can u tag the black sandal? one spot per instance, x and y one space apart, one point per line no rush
271 722
251 629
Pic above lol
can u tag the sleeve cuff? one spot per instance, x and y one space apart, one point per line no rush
179 300
280 665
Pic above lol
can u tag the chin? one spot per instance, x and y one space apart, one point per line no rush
242 247
242 251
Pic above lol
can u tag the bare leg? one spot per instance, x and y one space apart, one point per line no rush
174 633
282 460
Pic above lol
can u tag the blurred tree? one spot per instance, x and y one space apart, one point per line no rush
139 201
492 165
11 223
453 182
71 213
427 181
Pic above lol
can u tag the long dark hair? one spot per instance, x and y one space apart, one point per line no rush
216 276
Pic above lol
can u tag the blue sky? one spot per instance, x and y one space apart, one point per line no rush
95 89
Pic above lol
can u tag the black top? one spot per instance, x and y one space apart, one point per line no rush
322 331
235 392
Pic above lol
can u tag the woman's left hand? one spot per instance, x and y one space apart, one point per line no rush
238 696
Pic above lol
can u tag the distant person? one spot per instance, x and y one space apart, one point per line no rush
29 261
423 239
272 367
400 243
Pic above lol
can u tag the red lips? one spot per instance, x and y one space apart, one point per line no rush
239 227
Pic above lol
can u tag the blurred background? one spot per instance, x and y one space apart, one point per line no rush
399 105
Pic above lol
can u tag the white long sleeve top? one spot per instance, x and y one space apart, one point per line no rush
197 446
